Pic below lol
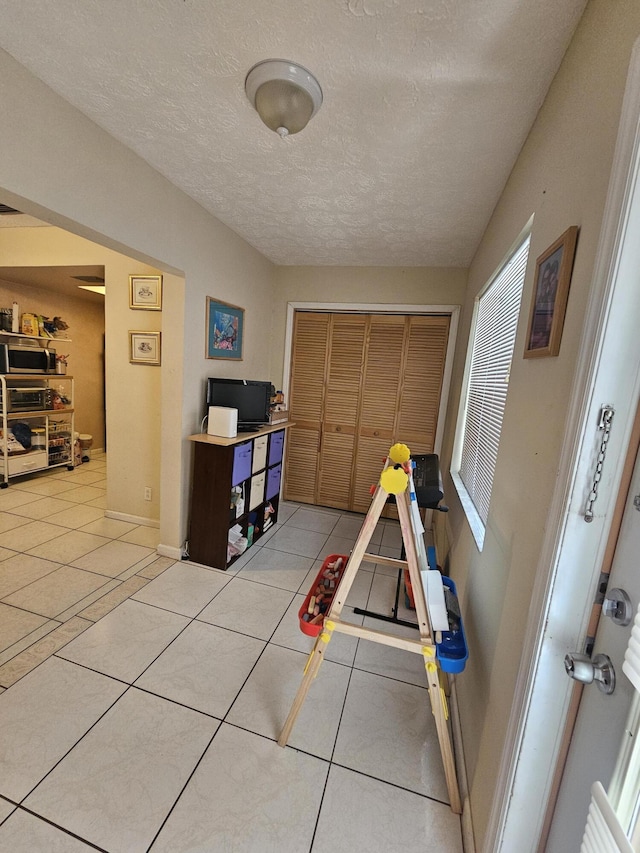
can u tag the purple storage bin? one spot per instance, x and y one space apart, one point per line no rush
276 446
273 481
241 463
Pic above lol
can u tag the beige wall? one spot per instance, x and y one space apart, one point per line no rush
62 168
561 177
363 285
85 318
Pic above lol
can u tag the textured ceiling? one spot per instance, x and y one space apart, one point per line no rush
426 106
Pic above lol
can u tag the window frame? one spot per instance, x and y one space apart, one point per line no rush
474 518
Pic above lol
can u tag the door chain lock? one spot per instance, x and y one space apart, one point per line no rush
604 424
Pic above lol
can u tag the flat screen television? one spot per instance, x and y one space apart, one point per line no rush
250 397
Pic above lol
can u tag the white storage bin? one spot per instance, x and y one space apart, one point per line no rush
260 453
257 490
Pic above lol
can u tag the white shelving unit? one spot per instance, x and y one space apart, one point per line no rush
5 334
49 419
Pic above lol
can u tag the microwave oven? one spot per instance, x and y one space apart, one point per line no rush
29 399
22 358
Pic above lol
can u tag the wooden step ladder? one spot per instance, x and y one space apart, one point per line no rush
391 482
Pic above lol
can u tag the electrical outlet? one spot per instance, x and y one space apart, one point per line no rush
147 493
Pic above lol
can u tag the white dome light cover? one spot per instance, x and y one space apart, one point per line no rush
285 95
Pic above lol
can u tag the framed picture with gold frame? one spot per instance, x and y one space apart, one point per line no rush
145 292
550 296
144 347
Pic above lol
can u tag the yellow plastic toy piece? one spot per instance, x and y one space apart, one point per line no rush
394 480
399 454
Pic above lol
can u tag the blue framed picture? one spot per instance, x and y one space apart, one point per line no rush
225 327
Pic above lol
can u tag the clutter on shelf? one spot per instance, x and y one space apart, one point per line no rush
268 516
61 364
237 543
38 326
18 439
31 324
278 412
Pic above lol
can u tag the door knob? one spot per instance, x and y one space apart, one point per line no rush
585 669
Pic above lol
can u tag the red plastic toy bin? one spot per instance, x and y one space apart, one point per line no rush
306 627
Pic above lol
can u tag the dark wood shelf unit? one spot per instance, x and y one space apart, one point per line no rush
211 516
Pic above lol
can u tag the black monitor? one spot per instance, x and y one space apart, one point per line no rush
252 399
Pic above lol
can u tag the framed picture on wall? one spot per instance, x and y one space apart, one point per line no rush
225 328
145 292
144 347
550 295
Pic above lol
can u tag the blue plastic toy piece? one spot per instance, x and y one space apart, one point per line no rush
452 653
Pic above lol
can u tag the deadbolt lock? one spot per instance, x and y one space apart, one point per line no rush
617 606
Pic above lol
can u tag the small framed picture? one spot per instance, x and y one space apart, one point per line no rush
144 347
145 292
225 327
550 296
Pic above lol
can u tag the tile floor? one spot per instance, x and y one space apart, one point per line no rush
141 698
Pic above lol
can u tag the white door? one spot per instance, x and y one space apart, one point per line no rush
600 725
608 374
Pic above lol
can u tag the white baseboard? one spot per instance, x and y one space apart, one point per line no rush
169 551
133 519
466 823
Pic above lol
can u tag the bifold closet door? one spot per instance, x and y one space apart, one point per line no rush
343 388
306 404
379 401
359 383
400 401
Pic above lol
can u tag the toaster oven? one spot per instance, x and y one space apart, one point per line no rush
29 399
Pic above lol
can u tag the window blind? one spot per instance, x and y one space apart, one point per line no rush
614 816
495 332
603 833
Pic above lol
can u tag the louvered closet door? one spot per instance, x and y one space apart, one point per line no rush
359 383
341 406
378 403
306 393
401 394
421 383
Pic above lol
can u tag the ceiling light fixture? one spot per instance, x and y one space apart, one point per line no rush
284 94
94 288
